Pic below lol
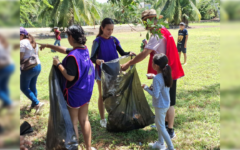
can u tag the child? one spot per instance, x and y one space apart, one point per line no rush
161 98
57 36
182 42
104 49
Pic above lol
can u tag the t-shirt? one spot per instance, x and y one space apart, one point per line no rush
182 37
56 33
28 50
72 68
156 44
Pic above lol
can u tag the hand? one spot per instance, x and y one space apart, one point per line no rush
42 46
55 61
24 142
150 75
132 54
99 62
185 46
124 67
143 85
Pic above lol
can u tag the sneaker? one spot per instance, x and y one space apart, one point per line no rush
157 145
103 123
93 148
38 108
171 133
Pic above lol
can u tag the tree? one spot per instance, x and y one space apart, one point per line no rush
175 11
207 9
28 10
68 12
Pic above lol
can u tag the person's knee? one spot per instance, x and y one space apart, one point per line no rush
83 122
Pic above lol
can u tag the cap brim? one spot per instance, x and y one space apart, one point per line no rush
149 16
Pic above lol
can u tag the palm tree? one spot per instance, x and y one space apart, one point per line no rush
67 12
176 11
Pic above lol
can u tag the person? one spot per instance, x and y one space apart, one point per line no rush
24 142
6 70
167 46
78 79
28 78
57 36
104 49
161 98
182 42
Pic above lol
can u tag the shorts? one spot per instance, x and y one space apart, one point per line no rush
182 49
77 107
97 77
173 91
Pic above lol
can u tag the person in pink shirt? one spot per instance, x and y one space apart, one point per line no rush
58 37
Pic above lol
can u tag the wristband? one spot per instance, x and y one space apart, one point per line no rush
58 64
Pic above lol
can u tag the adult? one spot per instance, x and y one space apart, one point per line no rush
28 78
167 46
6 70
78 79
57 37
105 48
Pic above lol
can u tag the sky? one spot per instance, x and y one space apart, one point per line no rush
102 1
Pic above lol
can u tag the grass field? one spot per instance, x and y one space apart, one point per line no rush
197 122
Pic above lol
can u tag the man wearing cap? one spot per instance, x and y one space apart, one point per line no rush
182 42
167 46
58 37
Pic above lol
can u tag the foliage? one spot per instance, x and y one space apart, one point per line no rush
9 13
155 28
29 8
175 11
207 9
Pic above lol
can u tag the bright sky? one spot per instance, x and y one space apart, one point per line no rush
102 1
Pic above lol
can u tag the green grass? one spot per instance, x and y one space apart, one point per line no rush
197 122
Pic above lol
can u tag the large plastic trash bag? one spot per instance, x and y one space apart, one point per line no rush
124 98
60 134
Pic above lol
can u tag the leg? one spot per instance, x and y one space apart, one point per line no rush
85 125
160 114
100 101
59 43
33 82
4 92
25 79
74 117
170 117
179 53
185 58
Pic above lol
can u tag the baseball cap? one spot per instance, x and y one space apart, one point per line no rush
23 31
55 27
182 23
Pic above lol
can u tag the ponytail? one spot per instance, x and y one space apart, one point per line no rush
105 22
162 61
167 76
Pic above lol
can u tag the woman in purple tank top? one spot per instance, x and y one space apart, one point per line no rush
78 79
104 49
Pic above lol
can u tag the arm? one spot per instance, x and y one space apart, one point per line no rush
137 59
121 51
60 49
156 89
21 55
94 53
59 33
185 45
63 70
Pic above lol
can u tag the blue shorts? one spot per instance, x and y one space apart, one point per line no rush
97 77
182 49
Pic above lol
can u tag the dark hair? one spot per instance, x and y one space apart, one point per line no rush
31 39
162 61
105 22
77 33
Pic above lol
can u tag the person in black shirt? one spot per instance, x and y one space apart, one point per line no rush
182 42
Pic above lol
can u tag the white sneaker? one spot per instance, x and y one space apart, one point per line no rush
157 145
39 108
103 123
93 148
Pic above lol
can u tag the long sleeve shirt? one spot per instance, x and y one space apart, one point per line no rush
160 93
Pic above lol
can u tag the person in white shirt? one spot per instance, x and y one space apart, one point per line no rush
28 78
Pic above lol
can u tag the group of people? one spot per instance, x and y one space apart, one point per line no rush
78 74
